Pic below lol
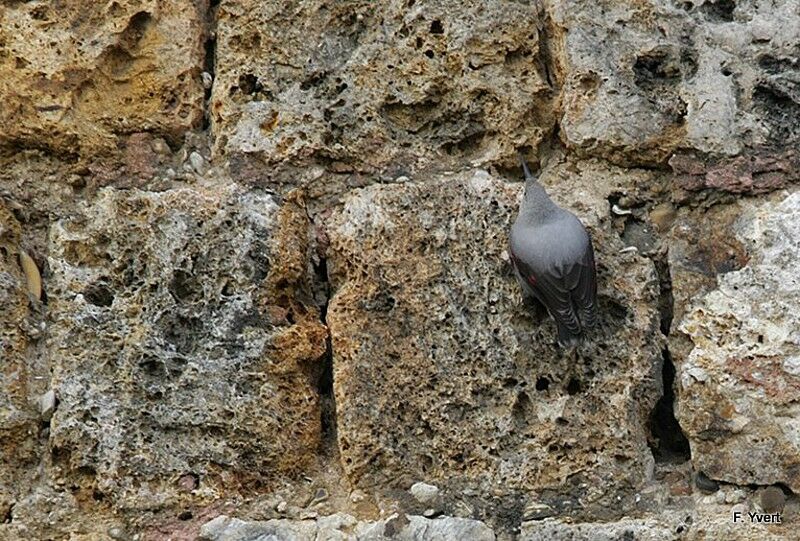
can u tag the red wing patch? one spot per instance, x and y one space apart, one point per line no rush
531 279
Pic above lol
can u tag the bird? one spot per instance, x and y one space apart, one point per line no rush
554 263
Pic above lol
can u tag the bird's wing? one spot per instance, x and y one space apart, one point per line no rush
585 294
554 290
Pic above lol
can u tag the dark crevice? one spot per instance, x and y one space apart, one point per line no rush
8 516
669 442
719 10
209 62
324 381
545 55
666 301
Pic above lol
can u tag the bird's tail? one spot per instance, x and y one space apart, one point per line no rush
525 169
567 338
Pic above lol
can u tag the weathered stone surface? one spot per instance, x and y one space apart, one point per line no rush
184 341
649 529
18 417
384 86
442 374
739 384
176 398
702 522
712 76
345 527
755 173
74 75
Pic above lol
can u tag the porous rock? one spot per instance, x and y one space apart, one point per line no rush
75 75
701 522
384 86
739 383
345 527
18 417
184 341
646 529
441 373
714 76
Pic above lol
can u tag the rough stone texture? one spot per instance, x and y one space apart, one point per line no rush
386 86
743 174
705 521
18 417
650 529
184 342
177 398
740 384
74 75
346 527
440 372
712 76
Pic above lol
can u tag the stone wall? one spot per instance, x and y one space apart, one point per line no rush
253 269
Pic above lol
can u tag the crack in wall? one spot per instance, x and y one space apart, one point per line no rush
669 442
209 61
321 289
324 381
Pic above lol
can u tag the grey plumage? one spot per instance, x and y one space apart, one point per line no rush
554 261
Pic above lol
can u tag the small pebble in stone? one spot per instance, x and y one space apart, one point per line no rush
281 507
160 146
48 405
116 532
423 492
357 496
401 178
429 513
188 482
197 161
208 80
735 496
170 173
620 211
537 511
705 484
320 495
772 500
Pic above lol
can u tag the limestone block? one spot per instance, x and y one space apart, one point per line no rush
345 527
440 373
739 384
74 75
644 78
184 342
370 86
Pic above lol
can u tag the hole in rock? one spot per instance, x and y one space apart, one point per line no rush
670 444
720 10
542 384
99 294
781 112
655 67
436 27
249 84
573 386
